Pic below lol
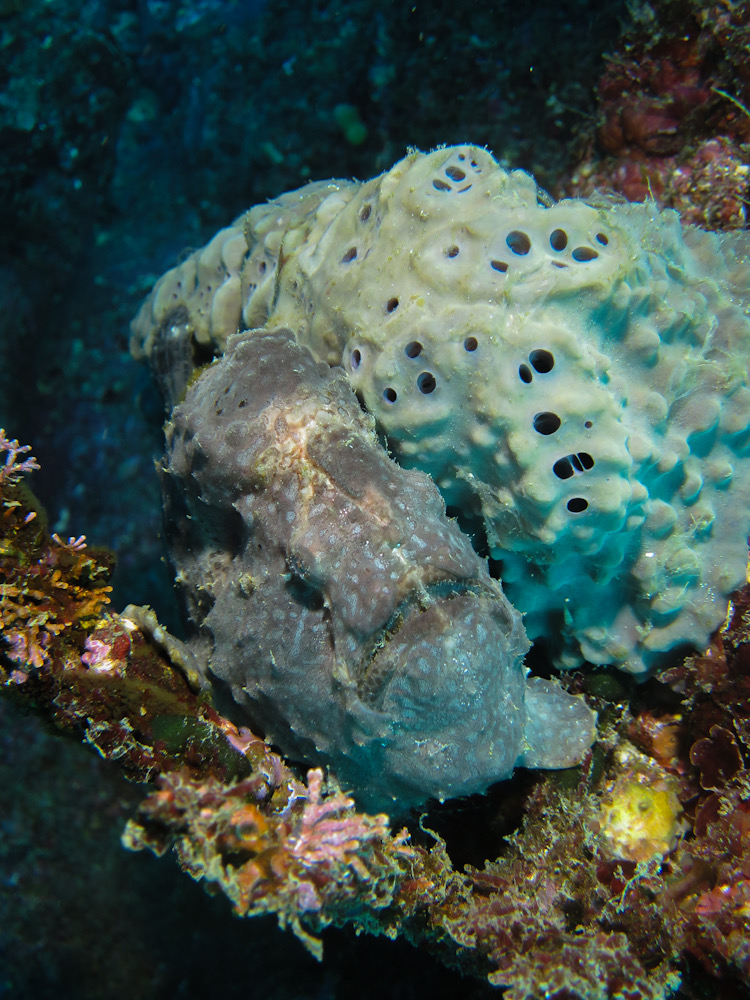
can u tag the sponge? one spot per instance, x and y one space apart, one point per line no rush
572 375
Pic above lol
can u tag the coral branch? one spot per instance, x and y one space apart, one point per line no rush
13 470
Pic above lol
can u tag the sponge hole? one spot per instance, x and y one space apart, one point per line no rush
426 382
582 254
542 361
413 349
462 156
518 242
546 423
573 465
576 505
558 239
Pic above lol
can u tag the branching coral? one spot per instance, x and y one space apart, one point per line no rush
12 470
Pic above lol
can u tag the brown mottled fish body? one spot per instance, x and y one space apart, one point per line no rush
344 610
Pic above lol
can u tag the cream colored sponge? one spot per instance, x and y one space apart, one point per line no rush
573 376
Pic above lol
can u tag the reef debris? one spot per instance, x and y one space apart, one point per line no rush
313 862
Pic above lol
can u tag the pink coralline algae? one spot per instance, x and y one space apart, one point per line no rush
314 860
707 184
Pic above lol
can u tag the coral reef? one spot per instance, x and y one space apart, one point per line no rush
129 132
346 612
562 908
569 374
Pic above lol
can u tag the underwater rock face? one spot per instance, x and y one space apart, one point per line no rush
572 375
345 611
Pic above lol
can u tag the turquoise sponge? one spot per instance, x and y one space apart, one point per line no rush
572 375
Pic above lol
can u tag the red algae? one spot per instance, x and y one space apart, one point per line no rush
674 118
